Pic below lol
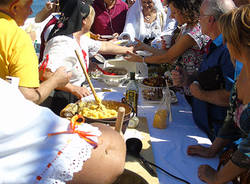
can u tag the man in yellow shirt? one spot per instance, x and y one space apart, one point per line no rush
17 54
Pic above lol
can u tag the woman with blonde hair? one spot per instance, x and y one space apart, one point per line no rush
235 27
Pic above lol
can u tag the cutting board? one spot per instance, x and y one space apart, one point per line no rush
132 163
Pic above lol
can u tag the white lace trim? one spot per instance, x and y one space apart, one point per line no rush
71 160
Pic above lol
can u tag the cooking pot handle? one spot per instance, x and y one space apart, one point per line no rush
132 108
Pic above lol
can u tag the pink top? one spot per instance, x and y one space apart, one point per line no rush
240 108
108 22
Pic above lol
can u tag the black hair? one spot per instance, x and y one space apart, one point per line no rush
189 8
71 18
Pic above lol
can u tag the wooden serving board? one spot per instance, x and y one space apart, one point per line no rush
132 162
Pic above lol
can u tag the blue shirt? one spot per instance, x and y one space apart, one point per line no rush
208 115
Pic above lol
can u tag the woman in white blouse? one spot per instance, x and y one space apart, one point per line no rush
38 146
66 37
146 20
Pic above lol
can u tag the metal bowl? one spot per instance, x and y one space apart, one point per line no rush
115 80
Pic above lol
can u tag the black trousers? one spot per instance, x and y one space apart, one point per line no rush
189 99
60 100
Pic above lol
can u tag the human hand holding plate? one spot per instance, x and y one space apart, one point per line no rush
133 57
143 53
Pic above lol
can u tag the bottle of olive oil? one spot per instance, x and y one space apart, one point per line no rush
132 92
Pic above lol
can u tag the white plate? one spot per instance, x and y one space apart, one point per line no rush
121 42
121 63
107 36
100 58
143 53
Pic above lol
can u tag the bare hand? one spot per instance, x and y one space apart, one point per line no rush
80 92
207 174
177 77
198 150
61 76
131 49
115 35
140 45
133 57
163 44
115 38
196 90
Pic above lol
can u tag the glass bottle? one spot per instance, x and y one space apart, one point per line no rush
132 92
161 114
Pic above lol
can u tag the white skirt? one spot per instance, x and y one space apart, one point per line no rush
27 153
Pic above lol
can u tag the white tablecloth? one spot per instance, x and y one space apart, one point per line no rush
169 145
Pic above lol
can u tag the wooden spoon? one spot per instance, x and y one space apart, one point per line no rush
98 101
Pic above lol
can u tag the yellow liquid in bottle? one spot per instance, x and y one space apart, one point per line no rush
160 119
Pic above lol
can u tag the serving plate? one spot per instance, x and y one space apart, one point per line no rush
154 95
173 100
121 42
143 53
107 36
